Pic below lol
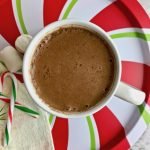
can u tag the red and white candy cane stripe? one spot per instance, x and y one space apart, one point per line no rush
11 107
20 106
13 104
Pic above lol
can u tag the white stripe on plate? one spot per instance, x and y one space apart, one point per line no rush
86 10
79 136
3 42
136 132
16 15
95 132
124 30
133 49
32 15
64 9
129 116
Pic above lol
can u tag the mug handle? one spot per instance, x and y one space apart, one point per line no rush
130 94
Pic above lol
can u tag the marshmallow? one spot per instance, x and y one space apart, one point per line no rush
22 42
11 58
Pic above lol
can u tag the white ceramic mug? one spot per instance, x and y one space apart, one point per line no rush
119 89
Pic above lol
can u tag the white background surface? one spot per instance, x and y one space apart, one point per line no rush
144 142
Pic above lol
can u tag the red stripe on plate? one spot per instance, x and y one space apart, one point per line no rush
136 12
111 132
60 134
138 75
52 10
117 16
8 27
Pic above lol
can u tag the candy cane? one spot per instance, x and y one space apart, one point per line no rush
13 104
19 106
10 109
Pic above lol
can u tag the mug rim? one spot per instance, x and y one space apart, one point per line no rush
27 64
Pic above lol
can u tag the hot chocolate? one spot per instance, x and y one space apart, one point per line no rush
72 69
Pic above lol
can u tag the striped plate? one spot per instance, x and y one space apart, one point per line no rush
120 124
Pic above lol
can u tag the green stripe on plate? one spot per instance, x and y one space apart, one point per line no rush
69 8
19 12
51 118
143 36
92 135
144 114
